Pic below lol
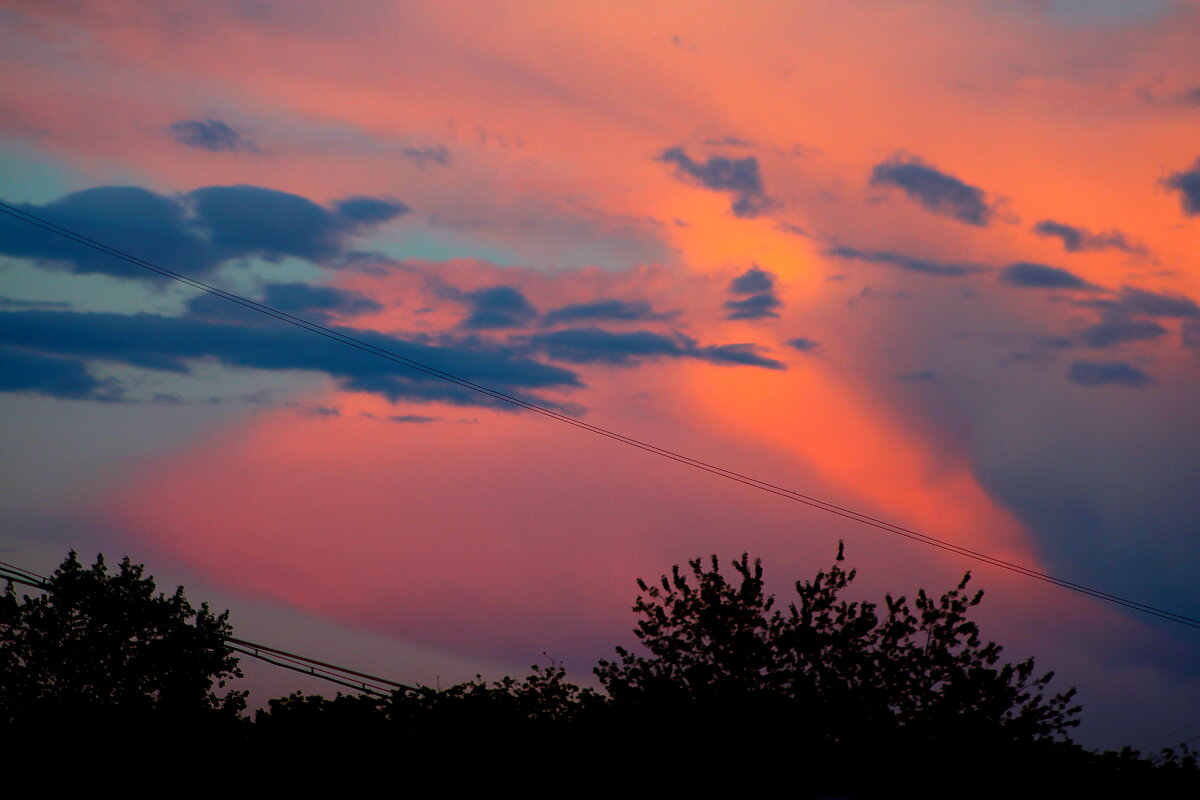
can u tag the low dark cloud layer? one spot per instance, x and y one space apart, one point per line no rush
370 210
46 343
1107 373
740 177
905 262
498 307
190 233
53 376
936 191
1117 331
598 346
604 310
1133 301
1078 240
1187 183
1025 275
760 301
316 301
210 134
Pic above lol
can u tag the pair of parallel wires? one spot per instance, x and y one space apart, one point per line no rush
383 687
352 679
671 455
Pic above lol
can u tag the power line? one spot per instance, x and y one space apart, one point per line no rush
662 452
360 681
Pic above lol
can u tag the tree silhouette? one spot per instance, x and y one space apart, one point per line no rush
104 651
831 678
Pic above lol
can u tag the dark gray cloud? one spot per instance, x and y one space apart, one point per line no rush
762 301
919 376
129 218
424 156
210 134
1040 276
251 220
497 307
756 306
13 304
729 141
1187 183
740 177
316 301
54 376
1189 333
905 262
1077 240
594 345
804 344
936 191
605 309
1116 331
794 230
1107 373
751 281
190 233
1148 304
370 210
174 343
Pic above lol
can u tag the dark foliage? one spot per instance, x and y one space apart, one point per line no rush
102 653
852 671
726 690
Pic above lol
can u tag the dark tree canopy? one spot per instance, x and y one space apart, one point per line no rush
106 647
830 676
727 689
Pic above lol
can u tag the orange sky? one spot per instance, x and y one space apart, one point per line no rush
532 143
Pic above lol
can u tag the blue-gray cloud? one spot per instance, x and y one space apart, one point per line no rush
605 309
905 262
751 281
423 156
1189 332
595 345
1107 373
369 210
936 191
804 344
762 301
210 134
1025 275
317 302
497 307
174 343
740 177
1187 183
756 306
1078 240
53 376
1112 332
251 220
1156 304
1147 303
190 233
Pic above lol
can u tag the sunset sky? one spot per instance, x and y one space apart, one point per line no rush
933 260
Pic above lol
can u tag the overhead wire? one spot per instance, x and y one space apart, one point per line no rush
332 673
704 466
